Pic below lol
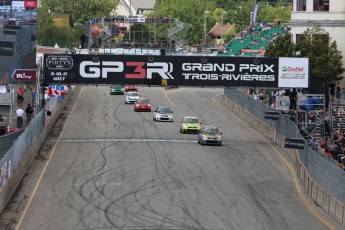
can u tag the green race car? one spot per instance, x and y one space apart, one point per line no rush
190 125
117 89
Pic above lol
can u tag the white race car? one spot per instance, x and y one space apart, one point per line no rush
132 97
162 113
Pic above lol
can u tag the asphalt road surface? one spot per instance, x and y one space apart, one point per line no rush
108 167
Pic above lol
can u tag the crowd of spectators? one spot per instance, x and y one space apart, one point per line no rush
331 147
254 38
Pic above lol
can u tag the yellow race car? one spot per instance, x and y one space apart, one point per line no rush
190 125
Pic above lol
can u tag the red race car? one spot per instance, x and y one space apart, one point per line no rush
131 88
143 104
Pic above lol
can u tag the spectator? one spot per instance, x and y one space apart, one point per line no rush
33 97
340 139
20 95
20 114
293 99
29 113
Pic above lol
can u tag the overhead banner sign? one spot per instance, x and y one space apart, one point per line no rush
177 70
6 48
27 75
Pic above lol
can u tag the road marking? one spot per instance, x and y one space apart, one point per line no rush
166 95
46 165
128 140
287 163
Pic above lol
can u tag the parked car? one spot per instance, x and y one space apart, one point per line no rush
132 97
5 130
210 135
190 125
143 104
131 88
117 89
162 113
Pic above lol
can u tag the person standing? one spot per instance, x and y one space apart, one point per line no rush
20 95
29 112
33 97
20 113
293 99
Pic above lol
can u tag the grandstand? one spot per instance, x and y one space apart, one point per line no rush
253 40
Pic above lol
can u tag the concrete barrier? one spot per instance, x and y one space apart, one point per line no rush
339 211
319 196
329 203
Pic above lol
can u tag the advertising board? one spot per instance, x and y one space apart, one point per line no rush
6 48
177 70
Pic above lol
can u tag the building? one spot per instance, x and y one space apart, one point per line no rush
329 14
134 7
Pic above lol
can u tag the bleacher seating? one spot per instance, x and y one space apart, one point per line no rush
253 38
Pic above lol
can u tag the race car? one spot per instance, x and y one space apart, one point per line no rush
143 104
131 88
190 125
117 89
131 97
162 113
210 135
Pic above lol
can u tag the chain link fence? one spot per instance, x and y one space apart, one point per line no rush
322 169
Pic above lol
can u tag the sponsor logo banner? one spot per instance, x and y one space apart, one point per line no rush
134 19
177 70
294 143
6 48
30 4
272 115
282 102
293 72
24 75
11 29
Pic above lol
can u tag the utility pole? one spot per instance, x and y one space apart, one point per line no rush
221 28
205 36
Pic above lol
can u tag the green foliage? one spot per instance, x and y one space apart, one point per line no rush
325 60
282 47
81 9
324 57
49 34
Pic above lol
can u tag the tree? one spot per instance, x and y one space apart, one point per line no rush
81 10
324 57
191 12
282 47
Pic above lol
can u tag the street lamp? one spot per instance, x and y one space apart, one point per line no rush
221 26
205 37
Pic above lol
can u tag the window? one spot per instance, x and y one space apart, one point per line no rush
298 37
321 5
301 5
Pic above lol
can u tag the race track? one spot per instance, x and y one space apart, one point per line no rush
112 168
